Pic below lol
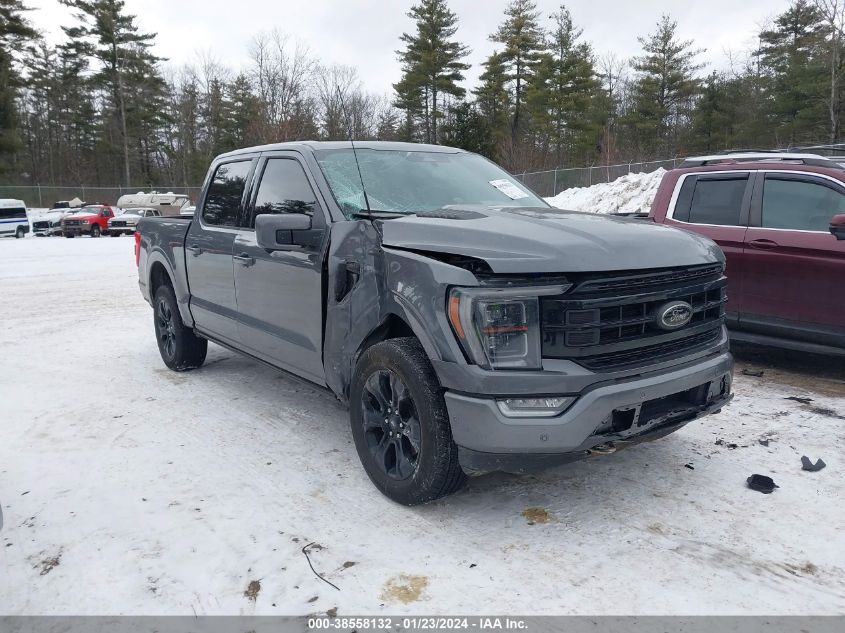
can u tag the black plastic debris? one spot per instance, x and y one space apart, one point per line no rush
806 464
690 466
762 483
764 442
800 399
756 373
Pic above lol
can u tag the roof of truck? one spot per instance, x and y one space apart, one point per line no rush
317 145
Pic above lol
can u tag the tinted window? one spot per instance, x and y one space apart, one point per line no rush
13 213
223 201
717 201
805 206
284 188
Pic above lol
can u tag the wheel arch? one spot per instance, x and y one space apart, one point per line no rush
160 272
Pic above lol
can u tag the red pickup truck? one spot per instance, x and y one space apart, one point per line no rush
780 220
90 220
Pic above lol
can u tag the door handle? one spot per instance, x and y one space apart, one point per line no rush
244 259
763 244
196 250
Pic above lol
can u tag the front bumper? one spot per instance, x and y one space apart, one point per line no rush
84 229
611 416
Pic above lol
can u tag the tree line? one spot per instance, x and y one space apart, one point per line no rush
100 107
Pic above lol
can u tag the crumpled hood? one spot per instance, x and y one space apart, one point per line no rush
540 240
49 216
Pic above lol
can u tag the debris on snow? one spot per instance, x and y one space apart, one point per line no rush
799 399
253 590
756 373
404 588
308 558
536 515
630 193
762 483
806 464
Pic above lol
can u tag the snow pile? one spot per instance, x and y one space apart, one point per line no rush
631 193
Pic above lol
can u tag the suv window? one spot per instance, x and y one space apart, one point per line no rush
223 200
799 205
284 188
711 200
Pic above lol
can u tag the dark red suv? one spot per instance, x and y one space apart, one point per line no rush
780 219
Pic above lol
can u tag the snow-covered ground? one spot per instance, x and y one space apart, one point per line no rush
129 489
631 193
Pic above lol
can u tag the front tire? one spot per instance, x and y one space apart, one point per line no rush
95 230
19 233
401 426
179 347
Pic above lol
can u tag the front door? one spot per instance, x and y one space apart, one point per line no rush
794 266
280 294
208 255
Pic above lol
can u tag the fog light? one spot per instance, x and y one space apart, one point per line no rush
534 407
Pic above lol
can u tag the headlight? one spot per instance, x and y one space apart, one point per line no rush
86 221
500 328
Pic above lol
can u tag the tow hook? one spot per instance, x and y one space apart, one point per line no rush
602 449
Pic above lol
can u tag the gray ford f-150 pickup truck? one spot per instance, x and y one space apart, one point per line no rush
468 326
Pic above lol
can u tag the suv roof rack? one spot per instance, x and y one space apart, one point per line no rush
761 156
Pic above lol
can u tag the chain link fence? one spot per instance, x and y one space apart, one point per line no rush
40 196
551 182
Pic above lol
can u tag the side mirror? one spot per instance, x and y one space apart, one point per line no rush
837 226
274 232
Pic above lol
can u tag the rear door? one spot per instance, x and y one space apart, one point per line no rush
208 246
716 205
795 267
280 294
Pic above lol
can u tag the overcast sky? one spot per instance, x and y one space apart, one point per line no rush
364 33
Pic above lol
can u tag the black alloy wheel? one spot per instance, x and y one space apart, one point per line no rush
391 424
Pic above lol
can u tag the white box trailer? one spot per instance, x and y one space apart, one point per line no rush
169 203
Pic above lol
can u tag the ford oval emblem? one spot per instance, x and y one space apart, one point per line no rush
673 315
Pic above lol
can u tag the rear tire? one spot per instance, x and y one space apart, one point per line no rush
401 426
19 233
179 347
95 230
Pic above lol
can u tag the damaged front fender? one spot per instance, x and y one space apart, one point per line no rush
375 293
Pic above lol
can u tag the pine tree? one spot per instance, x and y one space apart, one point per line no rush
493 100
126 72
664 89
431 63
14 31
469 130
561 94
523 41
792 57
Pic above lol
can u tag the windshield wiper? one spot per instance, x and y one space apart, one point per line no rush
379 215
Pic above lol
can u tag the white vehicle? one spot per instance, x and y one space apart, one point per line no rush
126 222
187 210
169 203
13 218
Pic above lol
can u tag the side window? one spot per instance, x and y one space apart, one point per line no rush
284 188
223 200
799 205
712 200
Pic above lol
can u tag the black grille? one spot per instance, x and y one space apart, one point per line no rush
38 226
651 353
72 222
119 223
611 316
